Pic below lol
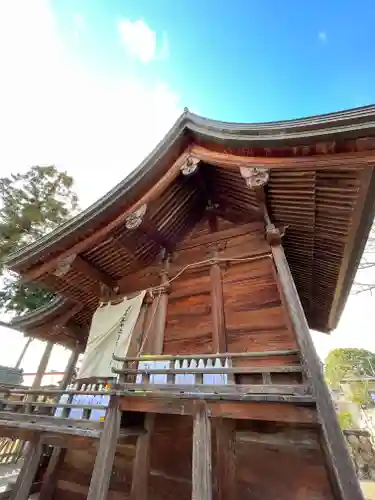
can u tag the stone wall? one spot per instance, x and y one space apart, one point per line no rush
362 452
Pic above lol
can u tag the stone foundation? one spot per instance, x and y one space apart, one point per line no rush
362 452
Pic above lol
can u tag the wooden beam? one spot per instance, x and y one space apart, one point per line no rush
50 476
34 450
69 370
243 410
66 316
322 161
157 189
25 347
337 454
225 432
101 475
42 365
149 228
219 341
202 467
89 270
141 464
155 324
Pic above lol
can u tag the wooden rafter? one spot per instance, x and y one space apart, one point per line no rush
157 189
88 269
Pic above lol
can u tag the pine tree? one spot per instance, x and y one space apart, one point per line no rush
31 205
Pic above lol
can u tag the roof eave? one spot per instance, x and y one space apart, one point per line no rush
355 121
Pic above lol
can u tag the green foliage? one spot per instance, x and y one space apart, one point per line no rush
342 364
31 205
345 419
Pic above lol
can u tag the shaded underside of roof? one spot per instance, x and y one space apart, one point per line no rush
327 210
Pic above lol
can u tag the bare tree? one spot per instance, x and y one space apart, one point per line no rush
365 278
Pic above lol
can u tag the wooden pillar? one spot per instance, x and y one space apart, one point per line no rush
42 365
101 474
341 466
219 343
153 345
21 490
225 431
69 370
224 428
202 469
50 476
58 454
22 355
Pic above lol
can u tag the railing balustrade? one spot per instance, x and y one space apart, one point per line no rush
210 374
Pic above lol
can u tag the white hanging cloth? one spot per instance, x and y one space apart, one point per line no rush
110 333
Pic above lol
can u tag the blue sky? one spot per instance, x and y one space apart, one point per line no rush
92 85
242 60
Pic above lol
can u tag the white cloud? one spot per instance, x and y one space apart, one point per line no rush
322 36
52 111
141 42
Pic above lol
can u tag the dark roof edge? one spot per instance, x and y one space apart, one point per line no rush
356 255
338 122
43 312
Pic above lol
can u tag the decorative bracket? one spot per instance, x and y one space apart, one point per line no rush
255 177
190 166
135 219
63 265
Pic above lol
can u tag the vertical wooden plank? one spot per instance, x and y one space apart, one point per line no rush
339 461
22 355
39 374
69 370
153 345
42 365
21 490
219 343
141 465
225 431
50 476
202 467
101 474
58 454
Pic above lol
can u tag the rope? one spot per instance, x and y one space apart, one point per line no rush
160 288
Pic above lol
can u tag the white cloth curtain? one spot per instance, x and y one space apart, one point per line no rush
110 333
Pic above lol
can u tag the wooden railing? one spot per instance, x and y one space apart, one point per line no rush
212 375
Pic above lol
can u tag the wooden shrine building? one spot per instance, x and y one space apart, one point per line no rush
241 238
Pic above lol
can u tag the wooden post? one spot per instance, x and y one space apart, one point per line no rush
69 370
58 454
337 455
39 375
219 343
42 365
155 343
101 474
225 431
202 474
22 355
50 476
21 490
224 428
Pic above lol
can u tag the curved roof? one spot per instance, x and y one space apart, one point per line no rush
321 185
353 123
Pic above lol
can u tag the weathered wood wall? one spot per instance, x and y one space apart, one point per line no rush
272 460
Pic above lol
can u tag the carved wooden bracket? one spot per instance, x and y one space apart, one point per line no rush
255 176
190 166
63 265
135 219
